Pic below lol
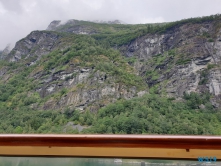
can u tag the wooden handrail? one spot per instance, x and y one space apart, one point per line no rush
114 146
125 141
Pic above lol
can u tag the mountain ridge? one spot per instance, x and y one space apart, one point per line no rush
80 69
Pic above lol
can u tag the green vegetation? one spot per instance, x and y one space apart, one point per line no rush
83 51
115 35
204 75
152 114
183 61
149 114
210 66
23 106
159 65
194 100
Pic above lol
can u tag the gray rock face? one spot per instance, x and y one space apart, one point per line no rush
87 89
184 79
190 42
215 82
152 44
35 44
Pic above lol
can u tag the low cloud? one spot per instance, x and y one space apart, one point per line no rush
20 17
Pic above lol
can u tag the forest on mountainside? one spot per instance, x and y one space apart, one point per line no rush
61 82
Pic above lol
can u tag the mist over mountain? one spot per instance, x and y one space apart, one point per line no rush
20 17
5 51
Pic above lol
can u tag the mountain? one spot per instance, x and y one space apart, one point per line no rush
109 22
80 27
76 26
114 78
5 51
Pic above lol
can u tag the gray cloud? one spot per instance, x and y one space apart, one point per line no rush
20 17
12 6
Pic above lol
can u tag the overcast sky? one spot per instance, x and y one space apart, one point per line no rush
19 17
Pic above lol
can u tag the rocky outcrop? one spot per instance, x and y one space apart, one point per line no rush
86 89
190 50
215 82
35 44
152 44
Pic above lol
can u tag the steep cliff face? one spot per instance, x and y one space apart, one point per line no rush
70 71
83 88
69 66
184 59
35 44
114 78
196 40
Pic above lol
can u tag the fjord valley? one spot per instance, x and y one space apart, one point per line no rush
88 77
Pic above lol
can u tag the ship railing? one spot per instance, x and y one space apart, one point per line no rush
174 147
